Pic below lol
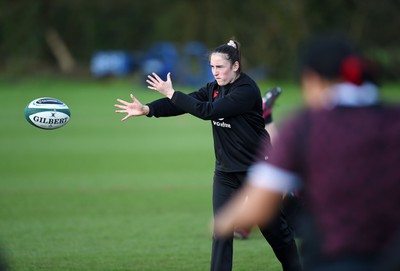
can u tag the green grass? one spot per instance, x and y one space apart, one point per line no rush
101 194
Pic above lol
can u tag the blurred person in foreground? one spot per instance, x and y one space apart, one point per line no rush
344 151
233 105
292 203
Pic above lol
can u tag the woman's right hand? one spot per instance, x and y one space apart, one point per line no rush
133 109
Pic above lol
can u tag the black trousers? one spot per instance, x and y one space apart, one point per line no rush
278 233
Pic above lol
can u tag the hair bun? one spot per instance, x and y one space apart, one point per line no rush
232 43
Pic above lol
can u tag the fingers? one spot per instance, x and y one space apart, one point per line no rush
120 106
127 107
157 77
155 82
153 79
125 118
122 101
125 103
152 84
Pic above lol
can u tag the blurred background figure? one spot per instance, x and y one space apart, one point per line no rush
269 99
343 150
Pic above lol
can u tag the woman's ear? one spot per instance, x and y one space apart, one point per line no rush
235 66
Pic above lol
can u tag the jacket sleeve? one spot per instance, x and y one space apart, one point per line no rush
239 100
165 108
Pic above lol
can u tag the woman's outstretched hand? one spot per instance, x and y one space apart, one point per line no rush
164 87
133 109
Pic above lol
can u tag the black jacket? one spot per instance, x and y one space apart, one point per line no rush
235 111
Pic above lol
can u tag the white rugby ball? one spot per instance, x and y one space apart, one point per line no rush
47 113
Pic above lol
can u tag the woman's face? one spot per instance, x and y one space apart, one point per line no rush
222 69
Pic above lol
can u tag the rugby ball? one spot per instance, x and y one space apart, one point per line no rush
47 113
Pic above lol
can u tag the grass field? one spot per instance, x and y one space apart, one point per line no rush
99 194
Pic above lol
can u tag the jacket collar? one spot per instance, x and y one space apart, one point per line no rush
347 94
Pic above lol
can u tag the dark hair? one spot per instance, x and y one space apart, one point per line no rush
232 50
325 55
334 57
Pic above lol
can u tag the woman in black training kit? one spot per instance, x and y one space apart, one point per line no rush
233 104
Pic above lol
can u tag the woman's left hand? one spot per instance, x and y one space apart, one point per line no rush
164 87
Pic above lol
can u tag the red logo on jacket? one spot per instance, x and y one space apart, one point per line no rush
215 94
